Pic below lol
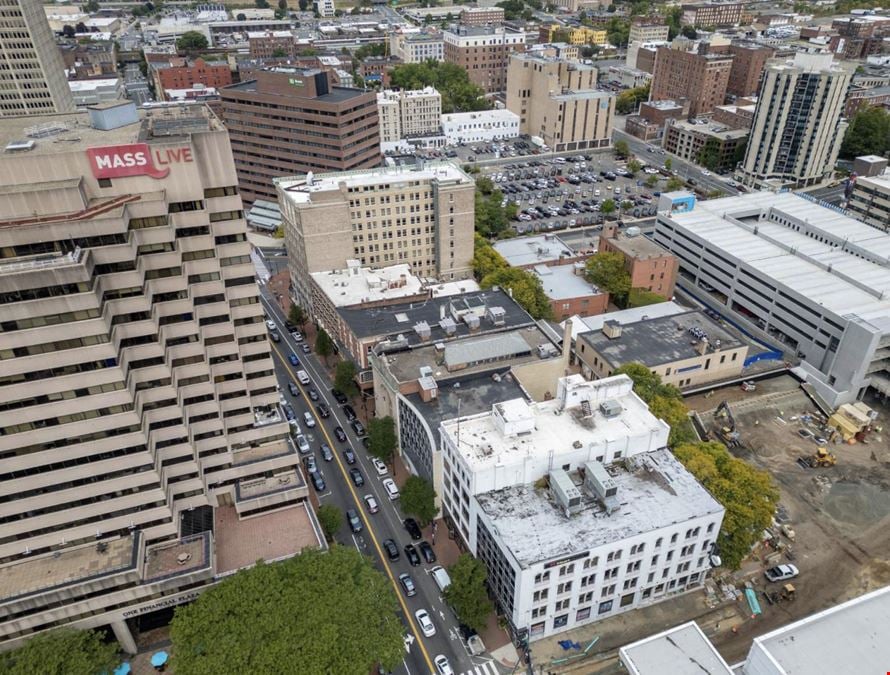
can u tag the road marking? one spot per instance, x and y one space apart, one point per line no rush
348 479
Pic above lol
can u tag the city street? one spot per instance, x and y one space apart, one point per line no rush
385 524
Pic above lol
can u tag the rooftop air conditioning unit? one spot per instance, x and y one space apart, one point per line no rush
567 495
610 408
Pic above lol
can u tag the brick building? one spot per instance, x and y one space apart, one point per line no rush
482 16
180 73
273 43
748 62
650 266
484 53
378 69
692 142
688 70
89 60
289 120
649 123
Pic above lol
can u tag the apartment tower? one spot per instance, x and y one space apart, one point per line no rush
32 80
140 436
484 52
798 129
685 69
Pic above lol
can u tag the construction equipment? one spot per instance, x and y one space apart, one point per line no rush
727 432
821 458
789 592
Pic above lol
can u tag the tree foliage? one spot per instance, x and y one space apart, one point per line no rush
664 401
628 100
618 31
674 16
382 439
674 183
324 346
608 207
485 259
192 41
375 49
344 378
633 165
419 499
527 290
640 297
709 155
466 594
621 148
491 217
64 651
296 315
651 181
748 494
315 613
331 520
513 9
451 81
605 269
868 134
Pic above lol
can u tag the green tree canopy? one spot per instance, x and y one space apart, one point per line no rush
674 183
324 346
633 165
651 181
375 49
748 494
868 134
467 594
621 148
513 9
640 297
64 651
419 499
331 520
452 81
526 287
485 259
608 207
618 31
709 155
192 41
315 613
382 439
491 217
344 378
296 315
664 400
628 100
605 269
674 16
668 163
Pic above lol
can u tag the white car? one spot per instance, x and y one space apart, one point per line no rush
441 661
379 466
309 420
302 443
781 573
271 325
426 623
705 173
297 336
371 503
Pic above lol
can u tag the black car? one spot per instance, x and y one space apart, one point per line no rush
326 453
313 394
411 554
355 523
429 555
408 585
392 551
289 412
323 410
357 427
293 389
349 412
349 456
340 434
317 481
339 396
357 477
413 528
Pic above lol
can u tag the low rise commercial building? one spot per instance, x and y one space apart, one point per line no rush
648 29
859 98
180 73
273 44
870 200
569 292
650 266
423 216
627 77
584 324
480 127
88 60
792 272
417 46
92 92
557 100
573 35
484 52
650 122
738 116
540 249
685 350
377 69
561 547
709 144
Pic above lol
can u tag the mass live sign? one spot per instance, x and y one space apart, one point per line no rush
138 159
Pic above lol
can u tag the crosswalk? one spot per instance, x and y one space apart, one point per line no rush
487 668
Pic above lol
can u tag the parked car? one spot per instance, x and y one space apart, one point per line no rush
429 555
357 477
309 419
349 412
339 396
392 551
408 585
379 466
317 481
357 427
294 361
312 393
425 622
371 503
302 444
340 434
326 452
297 336
289 412
413 528
293 389
412 555
323 410
271 325
309 463
781 573
355 523
275 336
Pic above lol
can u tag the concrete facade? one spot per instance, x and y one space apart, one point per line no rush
870 201
416 46
480 127
407 114
690 142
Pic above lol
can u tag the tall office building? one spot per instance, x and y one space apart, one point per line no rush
798 129
690 70
142 451
423 216
32 80
294 120
484 52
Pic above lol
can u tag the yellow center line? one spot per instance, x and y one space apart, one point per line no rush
319 424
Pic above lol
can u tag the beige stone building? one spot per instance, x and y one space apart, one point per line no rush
32 80
380 217
558 101
685 350
408 114
142 451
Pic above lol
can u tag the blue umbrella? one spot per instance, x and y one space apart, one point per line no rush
122 669
158 659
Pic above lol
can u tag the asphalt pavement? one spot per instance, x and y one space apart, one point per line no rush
385 524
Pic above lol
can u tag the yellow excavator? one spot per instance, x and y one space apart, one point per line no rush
821 458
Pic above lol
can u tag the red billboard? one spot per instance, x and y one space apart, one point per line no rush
137 159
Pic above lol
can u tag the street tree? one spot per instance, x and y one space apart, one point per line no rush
318 612
526 287
749 496
674 183
868 133
192 41
485 259
485 185
68 30
467 594
608 207
304 5
634 165
676 415
651 181
621 148
296 315
324 346
382 439
668 163
419 499
344 378
605 270
64 651
331 520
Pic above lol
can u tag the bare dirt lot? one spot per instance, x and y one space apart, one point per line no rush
840 515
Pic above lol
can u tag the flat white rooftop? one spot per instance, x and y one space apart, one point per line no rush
299 191
657 493
682 650
846 269
540 248
560 282
848 638
515 430
357 284
583 324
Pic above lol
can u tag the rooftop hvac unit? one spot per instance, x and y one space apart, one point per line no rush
610 408
612 329
599 482
447 324
498 315
567 495
632 231
472 321
422 329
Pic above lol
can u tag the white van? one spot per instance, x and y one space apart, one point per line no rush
303 377
391 488
440 576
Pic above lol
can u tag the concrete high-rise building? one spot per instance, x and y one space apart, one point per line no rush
798 128
294 120
420 216
143 454
484 52
417 46
686 69
32 80
407 114
558 100
648 29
